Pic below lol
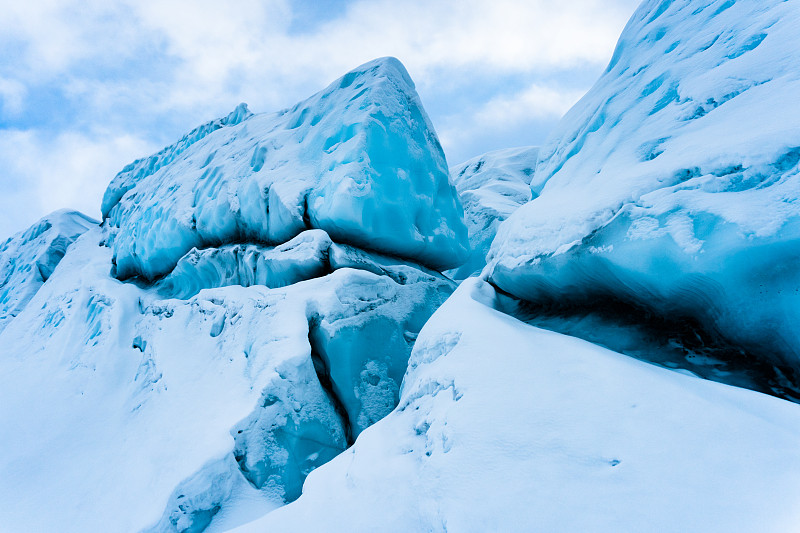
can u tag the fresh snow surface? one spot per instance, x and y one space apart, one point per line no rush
491 187
359 159
28 258
506 427
123 410
673 185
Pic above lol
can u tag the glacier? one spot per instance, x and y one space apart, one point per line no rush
502 426
491 187
672 187
264 333
359 159
187 374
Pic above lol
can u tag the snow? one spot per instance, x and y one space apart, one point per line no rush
29 258
506 427
491 187
673 185
359 159
126 411
250 340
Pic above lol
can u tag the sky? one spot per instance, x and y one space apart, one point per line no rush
87 86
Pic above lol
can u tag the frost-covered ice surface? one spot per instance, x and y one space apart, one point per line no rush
223 332
673 185
491 187
28 258
122 410
359 159
506 427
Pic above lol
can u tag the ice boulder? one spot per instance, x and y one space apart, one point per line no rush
28 258
673 186
491 187
359 159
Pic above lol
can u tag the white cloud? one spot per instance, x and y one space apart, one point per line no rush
42 174
116 62
12 97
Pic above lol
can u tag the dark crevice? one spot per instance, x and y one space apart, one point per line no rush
677 341
322 370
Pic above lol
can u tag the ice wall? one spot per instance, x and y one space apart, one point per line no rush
673 185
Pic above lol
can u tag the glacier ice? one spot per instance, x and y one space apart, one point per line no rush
502 426
167 411
491 187
28 258
245 310
673 185
359 159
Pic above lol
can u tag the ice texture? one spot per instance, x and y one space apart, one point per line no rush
28 258
491 187
673 185
502 426
129 411
359 159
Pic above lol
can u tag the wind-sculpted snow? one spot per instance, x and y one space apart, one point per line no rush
673 185
28 258
491 187
359 160
502 426
129 411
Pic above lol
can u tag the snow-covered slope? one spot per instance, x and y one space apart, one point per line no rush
491 187
28 258
119 407
506 427
673 186
209 393
359 159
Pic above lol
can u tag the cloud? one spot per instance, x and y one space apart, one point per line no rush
12 98
70 170
149 70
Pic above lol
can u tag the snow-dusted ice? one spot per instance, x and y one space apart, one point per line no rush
491 187
674 185
258 336
359 159
28 258
124 410
506 427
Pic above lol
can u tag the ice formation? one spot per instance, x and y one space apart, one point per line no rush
491 187
251 347
28 258
167 412
359 159
673 185
245 328
506 427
